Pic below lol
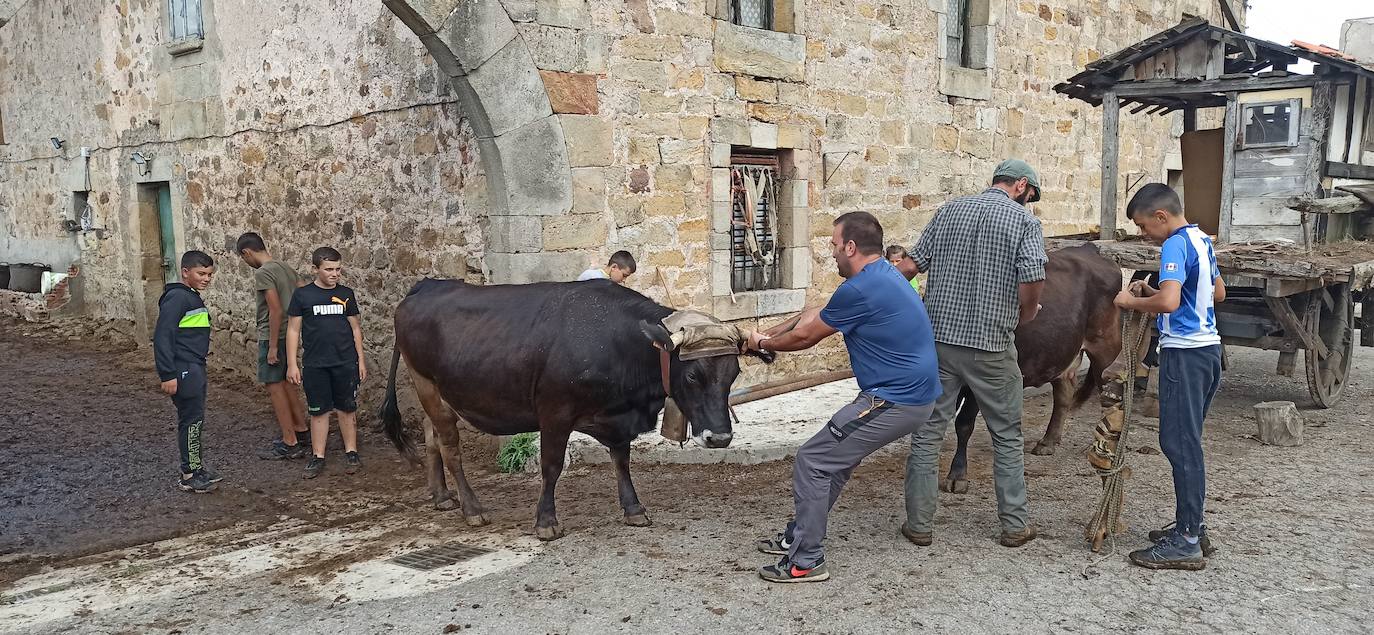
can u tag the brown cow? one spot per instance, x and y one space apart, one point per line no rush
1077 316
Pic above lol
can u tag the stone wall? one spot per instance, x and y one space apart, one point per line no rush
518 140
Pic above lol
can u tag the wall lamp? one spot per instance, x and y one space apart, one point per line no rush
143 161
56 143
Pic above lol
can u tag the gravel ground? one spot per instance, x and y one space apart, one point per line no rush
1293 525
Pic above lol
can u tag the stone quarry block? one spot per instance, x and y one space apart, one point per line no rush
514 234
510 88
1279 423
730 131
540 267
573 14
575 231
589 190
684 24
534 170
743 306
760 53
477 30
589 140
571 93
763 134
678 151
796 267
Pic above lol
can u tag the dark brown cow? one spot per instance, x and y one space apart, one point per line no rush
1077 316
552 358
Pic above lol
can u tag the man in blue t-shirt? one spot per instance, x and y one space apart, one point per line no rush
1189 364
892 351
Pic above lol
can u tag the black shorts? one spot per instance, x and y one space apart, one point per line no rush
331 388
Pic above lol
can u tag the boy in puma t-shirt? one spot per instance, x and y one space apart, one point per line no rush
324 321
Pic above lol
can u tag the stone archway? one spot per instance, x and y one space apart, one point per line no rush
520 139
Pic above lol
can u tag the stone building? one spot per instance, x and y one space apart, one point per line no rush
520 140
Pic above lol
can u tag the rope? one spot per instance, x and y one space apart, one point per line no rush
1105 522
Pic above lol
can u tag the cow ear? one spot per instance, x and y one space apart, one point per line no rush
657 334
766 356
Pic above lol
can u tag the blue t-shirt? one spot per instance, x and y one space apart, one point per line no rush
1188 259
885 327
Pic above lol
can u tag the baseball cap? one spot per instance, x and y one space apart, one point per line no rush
1018 169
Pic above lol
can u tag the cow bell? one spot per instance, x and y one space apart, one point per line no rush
674 422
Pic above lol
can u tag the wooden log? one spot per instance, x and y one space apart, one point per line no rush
1111 114
1288 363
1332 205
1228 166
1279 423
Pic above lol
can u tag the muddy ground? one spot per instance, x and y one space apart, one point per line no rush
89 461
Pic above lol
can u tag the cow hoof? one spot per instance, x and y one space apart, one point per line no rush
476 521
446 504
548 533
955 486
1043 449
637 520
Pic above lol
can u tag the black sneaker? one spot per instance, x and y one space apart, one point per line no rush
280 451
196 482
1202 539
352 463
315 466
1172 551
785 571
210 474
776 546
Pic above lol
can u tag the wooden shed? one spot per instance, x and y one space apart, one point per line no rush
1287 137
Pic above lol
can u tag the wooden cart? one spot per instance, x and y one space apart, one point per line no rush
1284 299
1285 185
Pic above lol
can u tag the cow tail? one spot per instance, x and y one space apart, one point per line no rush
1090 384
392 425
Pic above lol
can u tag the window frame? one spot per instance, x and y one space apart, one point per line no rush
1294 124
745 278
189 34
769 9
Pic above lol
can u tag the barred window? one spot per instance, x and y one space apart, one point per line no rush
185 19
752 13
755 264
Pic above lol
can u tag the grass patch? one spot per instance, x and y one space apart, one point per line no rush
517 452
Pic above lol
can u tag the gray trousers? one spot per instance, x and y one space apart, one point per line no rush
825 462
995 379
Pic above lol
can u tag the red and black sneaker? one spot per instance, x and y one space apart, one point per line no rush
785 571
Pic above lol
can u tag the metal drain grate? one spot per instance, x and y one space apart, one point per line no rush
441 556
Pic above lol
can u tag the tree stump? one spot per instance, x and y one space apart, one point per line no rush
1279 423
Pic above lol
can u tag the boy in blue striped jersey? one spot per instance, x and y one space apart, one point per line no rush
1189 365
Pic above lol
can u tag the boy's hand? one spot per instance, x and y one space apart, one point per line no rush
1124 299
169 387
272 355
293 374
362 369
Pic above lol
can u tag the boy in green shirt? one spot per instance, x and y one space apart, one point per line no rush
274 284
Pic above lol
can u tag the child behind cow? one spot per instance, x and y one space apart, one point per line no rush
324 320
620 267
897 255
1189 365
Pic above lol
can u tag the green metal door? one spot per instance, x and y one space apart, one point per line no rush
164 222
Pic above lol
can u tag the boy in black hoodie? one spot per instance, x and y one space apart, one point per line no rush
181 341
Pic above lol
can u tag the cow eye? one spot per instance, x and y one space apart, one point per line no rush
693 378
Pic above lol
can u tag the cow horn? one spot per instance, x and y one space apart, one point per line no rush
677 338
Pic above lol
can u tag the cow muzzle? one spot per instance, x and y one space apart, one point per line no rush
708 439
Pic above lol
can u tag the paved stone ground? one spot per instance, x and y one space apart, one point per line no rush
1294 527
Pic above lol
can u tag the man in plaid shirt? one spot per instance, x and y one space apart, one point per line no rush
985 256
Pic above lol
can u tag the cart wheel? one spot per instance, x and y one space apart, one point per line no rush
1335 323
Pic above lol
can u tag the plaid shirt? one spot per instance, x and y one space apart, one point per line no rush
977 251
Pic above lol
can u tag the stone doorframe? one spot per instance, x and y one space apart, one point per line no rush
520 139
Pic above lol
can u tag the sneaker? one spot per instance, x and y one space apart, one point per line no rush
1202 540
777 546
196 482
210 474
280 451
1018 538
919 538
1171 551
785 571
315 466
352 463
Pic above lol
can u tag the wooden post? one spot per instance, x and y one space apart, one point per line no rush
1279 423
1229 138
1111 115
1323 109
